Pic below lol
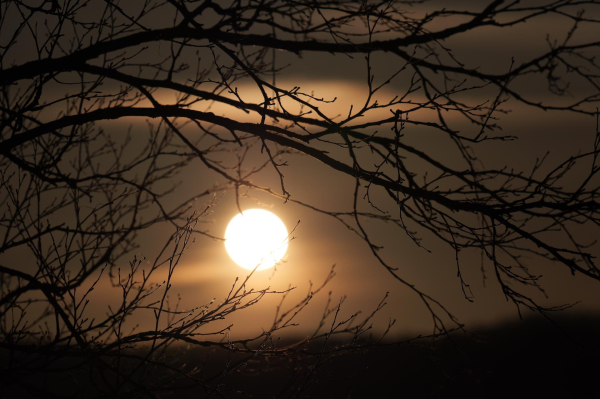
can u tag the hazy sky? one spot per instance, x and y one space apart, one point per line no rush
207 272
322 241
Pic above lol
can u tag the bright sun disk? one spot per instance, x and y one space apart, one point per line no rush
256 237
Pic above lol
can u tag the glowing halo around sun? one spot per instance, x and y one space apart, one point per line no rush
256 237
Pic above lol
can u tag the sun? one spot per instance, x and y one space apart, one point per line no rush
256 237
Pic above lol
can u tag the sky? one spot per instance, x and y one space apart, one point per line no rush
320 241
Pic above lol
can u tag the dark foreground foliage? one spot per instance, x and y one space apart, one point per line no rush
522 359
